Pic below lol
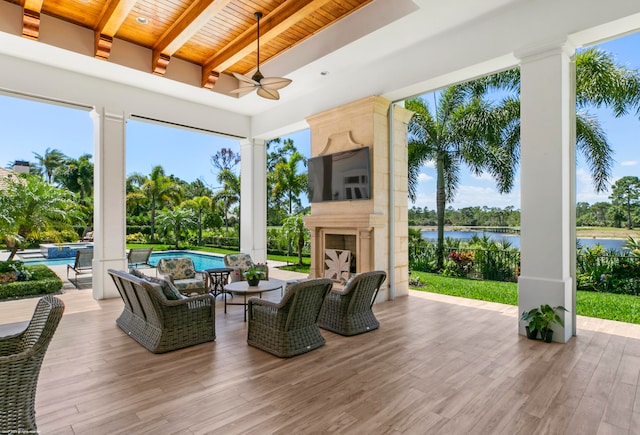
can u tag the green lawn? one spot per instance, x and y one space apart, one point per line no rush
623 308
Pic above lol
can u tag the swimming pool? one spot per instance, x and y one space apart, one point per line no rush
200 261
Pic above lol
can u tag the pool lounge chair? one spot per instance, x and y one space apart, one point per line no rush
137 257
82 264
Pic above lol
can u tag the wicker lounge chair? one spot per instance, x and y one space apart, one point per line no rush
157 323
21 356
183 274
288 328
239 263
82 264
137 257
348 311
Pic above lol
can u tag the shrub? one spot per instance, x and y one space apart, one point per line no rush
43 281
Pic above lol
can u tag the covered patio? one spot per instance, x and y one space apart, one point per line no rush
437 365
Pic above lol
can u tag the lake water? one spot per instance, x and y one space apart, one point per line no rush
515 239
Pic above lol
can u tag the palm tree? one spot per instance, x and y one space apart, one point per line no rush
288 182
464 129
29 206
229 193
177 220
157 189
296 232
200 205
77 176
600 82
49 162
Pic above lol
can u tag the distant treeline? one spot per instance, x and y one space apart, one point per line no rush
600 214
468 216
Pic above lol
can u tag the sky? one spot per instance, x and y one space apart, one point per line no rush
30 127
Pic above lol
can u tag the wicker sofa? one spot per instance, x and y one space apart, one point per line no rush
159 324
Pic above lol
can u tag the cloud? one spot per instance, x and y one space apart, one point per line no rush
629 163
471 196
430 164
485 176
424 177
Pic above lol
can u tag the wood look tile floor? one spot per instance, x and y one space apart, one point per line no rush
437 365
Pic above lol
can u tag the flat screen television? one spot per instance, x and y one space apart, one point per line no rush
343 176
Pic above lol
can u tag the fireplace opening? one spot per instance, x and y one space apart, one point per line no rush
343 242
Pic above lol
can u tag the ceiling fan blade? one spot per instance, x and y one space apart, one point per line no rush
244 79
243 90
270 94
274 83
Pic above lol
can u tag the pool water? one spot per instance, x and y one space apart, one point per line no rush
200 261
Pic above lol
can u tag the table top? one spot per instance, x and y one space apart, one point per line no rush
263 286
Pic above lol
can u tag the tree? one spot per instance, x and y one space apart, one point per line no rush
278 152
77 176
29 206
178 221
288 182
225 160
464 129
626 193
229 193
296 232
600 82
157 190
49 162
200 205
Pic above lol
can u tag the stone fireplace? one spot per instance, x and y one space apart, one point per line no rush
362 226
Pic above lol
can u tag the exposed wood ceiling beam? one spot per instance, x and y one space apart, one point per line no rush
112 17
190 22
31 18
280 19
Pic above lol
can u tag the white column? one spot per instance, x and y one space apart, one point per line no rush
109 199
253 199
548 183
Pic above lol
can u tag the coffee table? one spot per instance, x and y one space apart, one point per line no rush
243 288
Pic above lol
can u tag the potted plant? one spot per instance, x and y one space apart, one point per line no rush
253 274
541 320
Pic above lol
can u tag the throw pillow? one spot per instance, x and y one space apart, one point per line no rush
135 272
169 290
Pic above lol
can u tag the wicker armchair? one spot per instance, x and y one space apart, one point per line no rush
348 311
288 328
159 324
239 263
183 274
21 356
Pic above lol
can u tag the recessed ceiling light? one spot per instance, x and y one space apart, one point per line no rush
142 20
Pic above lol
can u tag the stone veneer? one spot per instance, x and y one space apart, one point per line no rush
363 225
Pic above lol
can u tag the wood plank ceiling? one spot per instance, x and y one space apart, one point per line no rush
218 35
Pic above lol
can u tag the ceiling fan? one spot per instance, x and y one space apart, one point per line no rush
267 87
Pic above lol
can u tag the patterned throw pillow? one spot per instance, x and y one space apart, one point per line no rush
135 272
169 290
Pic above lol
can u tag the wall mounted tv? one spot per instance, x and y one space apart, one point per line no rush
342 176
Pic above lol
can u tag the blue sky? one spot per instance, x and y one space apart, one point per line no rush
28 126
